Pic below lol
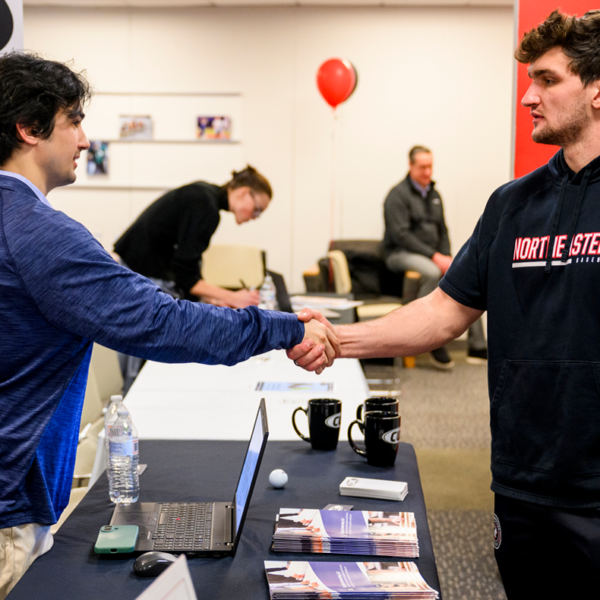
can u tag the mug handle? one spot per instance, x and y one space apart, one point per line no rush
351 441
294 423
359 412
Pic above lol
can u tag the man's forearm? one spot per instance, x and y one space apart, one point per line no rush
420 326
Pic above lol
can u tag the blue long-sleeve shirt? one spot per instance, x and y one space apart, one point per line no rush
59 292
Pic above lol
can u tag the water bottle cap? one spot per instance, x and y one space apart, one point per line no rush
122 412
116 398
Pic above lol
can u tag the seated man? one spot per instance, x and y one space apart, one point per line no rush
60 291
416 239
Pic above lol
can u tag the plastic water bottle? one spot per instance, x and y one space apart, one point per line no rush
110 417
123 459
267 294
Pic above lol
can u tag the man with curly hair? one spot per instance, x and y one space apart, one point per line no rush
533 262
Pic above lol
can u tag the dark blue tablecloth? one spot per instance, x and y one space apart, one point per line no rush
187 471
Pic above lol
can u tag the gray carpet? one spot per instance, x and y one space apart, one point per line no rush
462 542
445 415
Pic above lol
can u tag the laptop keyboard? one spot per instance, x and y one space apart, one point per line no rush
183 526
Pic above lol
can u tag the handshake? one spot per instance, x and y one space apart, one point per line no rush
320 346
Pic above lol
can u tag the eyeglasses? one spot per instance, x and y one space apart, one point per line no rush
258 210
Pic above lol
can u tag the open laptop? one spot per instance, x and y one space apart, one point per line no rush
285 302
281 293
199 528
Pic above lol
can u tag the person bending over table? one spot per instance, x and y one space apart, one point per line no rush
60 291
167 240
533 263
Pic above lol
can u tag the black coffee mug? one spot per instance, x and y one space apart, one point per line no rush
384 403
324 418
382 437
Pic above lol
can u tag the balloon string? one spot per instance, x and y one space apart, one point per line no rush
333 177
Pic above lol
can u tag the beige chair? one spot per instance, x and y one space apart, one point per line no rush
86 453
368 311
107 372
93 404
77 495
84 462
233 266
341 272
343 285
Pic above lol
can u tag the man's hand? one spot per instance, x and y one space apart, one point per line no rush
222 297
442 262
320 345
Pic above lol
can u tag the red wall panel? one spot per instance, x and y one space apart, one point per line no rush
528 154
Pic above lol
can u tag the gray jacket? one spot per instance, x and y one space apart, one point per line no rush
413 223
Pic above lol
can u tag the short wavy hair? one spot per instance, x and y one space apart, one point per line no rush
579 39
252 178
32 91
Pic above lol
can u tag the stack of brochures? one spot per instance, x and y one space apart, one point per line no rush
366 532
346 580
361 487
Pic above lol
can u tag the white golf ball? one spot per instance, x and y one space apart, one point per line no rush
278 478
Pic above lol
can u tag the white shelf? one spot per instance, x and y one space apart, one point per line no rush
123 187
125 141
176 94
174 155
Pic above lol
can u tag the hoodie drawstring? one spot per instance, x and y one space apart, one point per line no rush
561 197
575 216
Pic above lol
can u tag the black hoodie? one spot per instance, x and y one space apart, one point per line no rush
543 331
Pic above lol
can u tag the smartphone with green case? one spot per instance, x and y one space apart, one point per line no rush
116 539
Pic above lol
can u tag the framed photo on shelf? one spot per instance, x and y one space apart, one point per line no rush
97 158
214 128
135 127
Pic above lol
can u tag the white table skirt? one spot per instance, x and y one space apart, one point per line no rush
200 402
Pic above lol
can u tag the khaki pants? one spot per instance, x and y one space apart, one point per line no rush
19 547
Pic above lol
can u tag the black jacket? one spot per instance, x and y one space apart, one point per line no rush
167 240
543 331
414 223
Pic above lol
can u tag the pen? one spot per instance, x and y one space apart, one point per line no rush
245 287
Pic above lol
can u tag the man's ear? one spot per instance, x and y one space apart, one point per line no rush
26 135
596 96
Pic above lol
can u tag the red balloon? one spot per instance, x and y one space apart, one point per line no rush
336 80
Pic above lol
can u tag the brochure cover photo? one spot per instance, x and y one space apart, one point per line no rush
346 580
346 532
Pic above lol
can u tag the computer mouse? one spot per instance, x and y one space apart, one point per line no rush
152 564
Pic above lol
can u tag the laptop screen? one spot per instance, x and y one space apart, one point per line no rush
283 298
249 472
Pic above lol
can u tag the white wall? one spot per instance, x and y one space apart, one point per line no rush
435 76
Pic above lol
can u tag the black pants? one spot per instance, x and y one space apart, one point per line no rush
544 552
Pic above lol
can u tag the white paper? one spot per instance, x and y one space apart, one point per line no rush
174 584
317 302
